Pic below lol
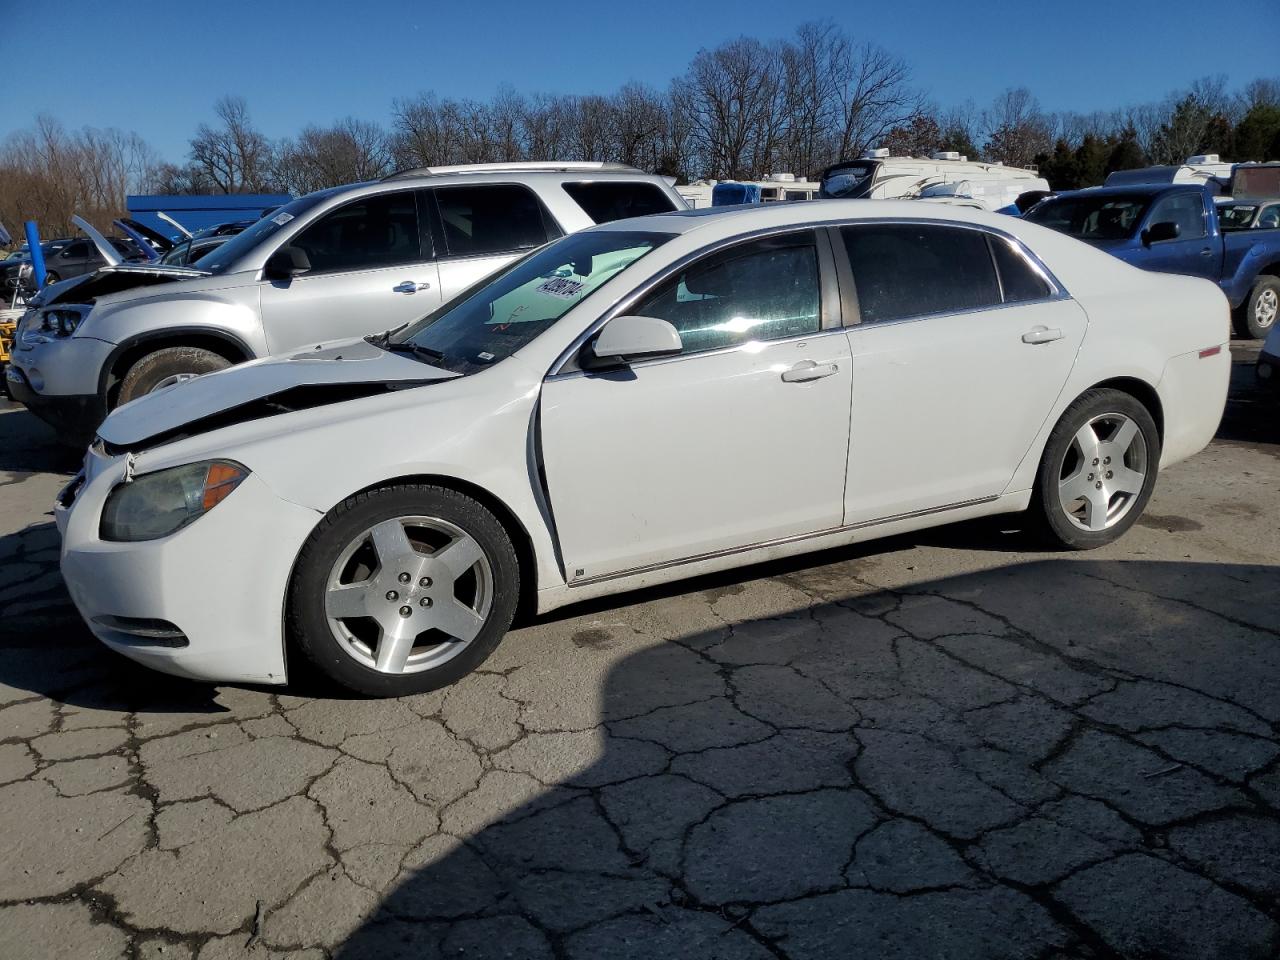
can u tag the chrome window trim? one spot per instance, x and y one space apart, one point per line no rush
780 541
622 303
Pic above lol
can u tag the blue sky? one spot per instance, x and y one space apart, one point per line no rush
91 61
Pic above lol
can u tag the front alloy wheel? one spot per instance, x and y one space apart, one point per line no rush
403 589
409 594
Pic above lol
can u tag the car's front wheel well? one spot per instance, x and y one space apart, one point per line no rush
1141 391
124 360
520 538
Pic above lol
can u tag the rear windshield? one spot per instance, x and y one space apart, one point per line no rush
1098 217
612 200
1236 216
849 181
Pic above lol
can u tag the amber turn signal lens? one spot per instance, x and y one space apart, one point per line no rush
219 482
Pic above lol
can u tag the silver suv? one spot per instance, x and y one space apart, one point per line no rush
334 264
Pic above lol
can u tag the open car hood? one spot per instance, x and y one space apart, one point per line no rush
88 287
331 373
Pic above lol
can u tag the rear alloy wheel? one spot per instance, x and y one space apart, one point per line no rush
165 367
1257 315
403 590
1098 470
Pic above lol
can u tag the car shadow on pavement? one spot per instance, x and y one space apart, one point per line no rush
1059 758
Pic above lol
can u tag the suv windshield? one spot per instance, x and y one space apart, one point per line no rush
849 181
219 259
1098 217
501 314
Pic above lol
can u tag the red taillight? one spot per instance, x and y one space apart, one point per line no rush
1210 352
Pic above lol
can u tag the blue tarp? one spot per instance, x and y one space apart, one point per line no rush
197 212
730 194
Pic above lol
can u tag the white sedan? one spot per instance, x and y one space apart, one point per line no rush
640 402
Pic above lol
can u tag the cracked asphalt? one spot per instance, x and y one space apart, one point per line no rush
943 745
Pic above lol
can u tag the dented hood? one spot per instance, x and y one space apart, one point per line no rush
331 373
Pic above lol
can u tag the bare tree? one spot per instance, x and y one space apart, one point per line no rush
812 66
233 156
1017 129
874 96
348 152
49 174
639 122
731 96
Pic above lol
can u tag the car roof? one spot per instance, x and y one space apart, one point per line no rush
498 173
1134 189
744 218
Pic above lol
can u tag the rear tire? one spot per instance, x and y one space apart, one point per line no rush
1097 472
376 605
1257 315
166 366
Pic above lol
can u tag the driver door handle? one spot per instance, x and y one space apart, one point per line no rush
1041 335
410 287
807 370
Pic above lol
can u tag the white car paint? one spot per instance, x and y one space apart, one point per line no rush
676 467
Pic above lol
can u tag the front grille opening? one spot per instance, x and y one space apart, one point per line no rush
142 631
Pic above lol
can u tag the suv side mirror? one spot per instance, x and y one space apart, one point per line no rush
629 338
1158 232
286 263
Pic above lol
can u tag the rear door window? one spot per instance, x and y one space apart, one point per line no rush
377 231
1018 279
903 270
489 219
612 200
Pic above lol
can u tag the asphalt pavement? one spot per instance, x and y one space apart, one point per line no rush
951 744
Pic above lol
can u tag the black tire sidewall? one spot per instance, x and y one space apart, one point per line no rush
1048 511
308 625
149 370
1251 328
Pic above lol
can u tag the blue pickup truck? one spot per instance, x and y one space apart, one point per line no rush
1174 228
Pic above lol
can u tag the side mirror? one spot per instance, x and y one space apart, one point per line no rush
626 339
286 263
1158 232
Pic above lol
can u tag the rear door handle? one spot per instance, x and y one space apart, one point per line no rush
410 287
807 370
1041 335
1206 252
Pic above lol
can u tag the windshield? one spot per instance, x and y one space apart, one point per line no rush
1236 216
1098 217
224 256
850 181
500 315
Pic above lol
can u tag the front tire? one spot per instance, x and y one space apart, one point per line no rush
1257 315
166 367
1097 471
402 590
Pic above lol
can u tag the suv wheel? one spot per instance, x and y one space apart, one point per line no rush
165 367
403 590
1258 314
1098 470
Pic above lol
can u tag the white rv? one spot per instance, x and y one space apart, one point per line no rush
774 188
944 176
1207 168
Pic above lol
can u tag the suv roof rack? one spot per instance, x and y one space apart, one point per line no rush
522 166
